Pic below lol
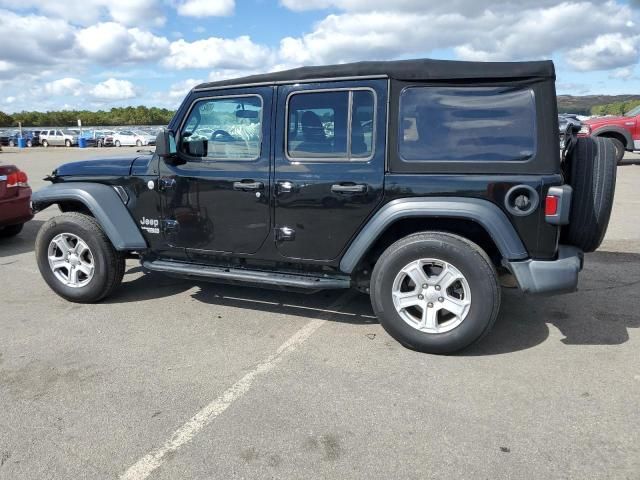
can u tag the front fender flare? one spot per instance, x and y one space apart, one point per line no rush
602 132
483 212
105 205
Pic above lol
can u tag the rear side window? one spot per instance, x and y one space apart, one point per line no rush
467 124
331 125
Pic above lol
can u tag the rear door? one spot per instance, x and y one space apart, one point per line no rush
329 164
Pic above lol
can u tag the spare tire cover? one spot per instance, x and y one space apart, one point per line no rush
592 174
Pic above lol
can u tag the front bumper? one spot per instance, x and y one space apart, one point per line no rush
549 276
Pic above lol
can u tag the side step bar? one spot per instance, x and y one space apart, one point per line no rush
243 276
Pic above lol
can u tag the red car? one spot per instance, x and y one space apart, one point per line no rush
623 131
15 200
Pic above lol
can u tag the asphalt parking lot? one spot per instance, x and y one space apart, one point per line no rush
169 379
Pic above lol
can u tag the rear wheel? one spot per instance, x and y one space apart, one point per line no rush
138 143
12 143
29 143
11 230
435 292
118 144
76 258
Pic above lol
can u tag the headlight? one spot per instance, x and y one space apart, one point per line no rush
585 130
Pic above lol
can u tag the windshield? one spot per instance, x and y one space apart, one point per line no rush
634 112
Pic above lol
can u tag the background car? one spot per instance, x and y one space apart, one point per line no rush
58 137
104 138
4 138
131 138
15 200
564 123
31 137
624 131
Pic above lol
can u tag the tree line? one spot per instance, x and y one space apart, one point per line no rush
116 116
616 108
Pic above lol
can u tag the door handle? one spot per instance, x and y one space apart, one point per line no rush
165 183
247 185
284 187
352 188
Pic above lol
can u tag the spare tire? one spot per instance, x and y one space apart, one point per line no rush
592 175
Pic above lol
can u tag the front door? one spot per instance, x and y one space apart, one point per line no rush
215 196
329 165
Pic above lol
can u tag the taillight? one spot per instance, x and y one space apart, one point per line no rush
17 179
551 205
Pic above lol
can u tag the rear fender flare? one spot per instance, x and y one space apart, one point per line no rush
105 205
483 212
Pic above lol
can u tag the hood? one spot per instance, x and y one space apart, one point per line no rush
599 120
108 167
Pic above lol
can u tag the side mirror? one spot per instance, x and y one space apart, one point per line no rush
166 144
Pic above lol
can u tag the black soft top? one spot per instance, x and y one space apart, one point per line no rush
404 70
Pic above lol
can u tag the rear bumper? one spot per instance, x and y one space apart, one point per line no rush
549 277
16 209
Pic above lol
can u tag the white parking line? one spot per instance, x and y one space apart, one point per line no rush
147 464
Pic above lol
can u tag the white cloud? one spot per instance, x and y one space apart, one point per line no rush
85 12
110 42
226 53
31 38
606 52
205 8
64 86
626 73
478 30
180 89
113 89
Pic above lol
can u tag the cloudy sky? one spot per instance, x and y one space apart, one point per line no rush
101 53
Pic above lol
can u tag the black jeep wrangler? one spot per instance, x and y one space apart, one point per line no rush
424 183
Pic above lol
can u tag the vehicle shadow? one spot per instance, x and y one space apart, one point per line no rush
152 285
627 161
600 313
23 242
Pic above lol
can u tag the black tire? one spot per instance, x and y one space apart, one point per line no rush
619 148
45 144
593 167
118 144
11 230
138 143
67 143
12 143
109 264
469 259
29 143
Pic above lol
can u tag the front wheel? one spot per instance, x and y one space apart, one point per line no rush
435 292
619 148
118 144
12 143
29 143
138 143
45 144
76 258
67 143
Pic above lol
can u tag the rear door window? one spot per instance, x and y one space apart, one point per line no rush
467 124
331 125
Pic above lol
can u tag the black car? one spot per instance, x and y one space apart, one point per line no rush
423 183
567 124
